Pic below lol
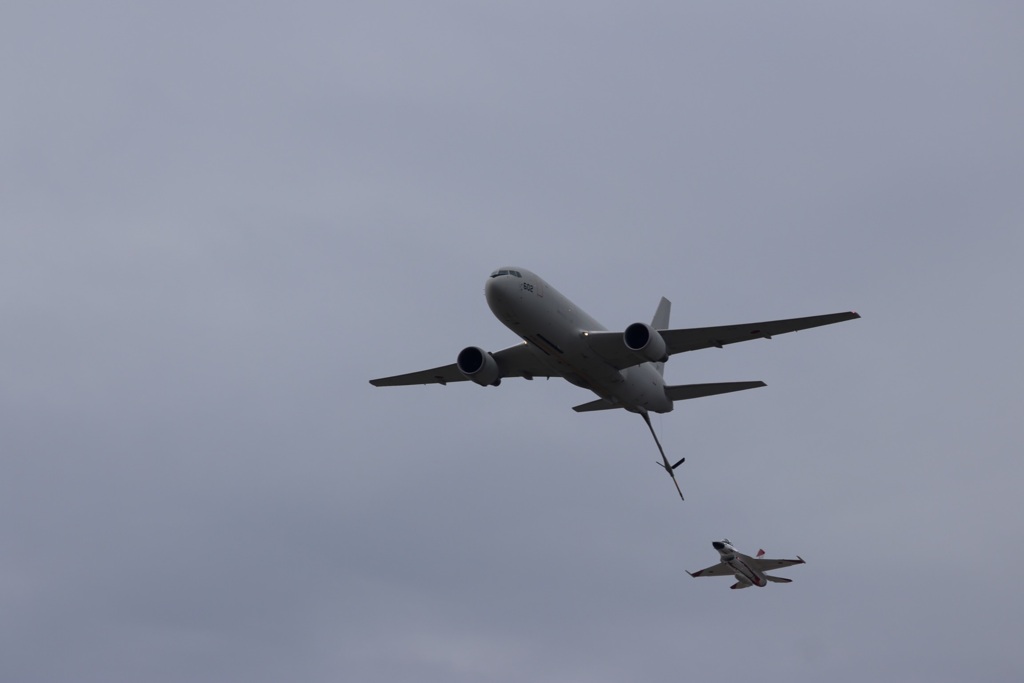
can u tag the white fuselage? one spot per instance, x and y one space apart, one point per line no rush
555 328
740 567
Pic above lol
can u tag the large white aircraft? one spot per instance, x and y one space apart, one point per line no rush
750 571
625 369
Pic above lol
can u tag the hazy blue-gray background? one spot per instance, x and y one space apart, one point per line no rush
218 220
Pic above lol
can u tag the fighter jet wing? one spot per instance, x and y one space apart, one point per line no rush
612 347
515 361
762 564
720 569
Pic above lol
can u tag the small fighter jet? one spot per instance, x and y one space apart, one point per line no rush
749 570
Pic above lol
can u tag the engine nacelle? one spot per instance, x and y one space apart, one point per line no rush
644 341
479 366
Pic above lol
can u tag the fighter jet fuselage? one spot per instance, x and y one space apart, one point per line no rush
749 571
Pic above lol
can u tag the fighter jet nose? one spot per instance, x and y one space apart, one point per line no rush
718 545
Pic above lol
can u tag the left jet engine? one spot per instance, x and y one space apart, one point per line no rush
479 366
645 342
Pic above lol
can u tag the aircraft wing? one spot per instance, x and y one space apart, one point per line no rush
720 569
696 338
611 347
764 565
515 361
441 375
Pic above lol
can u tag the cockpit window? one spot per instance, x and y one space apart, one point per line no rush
499 273
505 271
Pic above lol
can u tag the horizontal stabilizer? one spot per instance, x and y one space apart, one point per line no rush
777 579
681 392
599 404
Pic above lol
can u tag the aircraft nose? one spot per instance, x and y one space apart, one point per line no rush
718 545
492 291
498 291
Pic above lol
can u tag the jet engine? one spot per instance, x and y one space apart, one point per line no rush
479 366
644 341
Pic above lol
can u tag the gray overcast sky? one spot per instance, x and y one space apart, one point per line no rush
220 219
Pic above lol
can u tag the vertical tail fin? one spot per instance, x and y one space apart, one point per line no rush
660 322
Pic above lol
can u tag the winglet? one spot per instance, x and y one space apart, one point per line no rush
760 553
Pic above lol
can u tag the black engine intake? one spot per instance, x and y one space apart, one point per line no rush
645 342
479 366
